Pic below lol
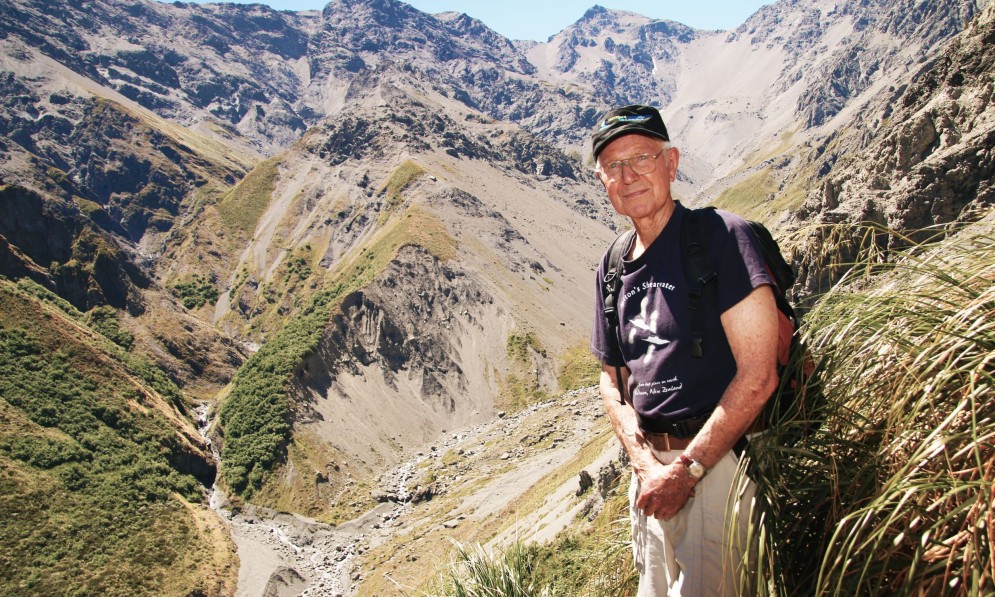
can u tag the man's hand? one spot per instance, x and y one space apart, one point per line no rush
664 490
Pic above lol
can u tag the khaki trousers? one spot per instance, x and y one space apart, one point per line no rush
701 551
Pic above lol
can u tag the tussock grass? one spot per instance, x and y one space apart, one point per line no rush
520 346
521 387
578 369
763 154
893 493
403 176
511 573
394 186
241 207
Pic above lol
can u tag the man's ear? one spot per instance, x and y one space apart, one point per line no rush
674 159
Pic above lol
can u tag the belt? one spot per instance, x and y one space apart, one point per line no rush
683 428
665 442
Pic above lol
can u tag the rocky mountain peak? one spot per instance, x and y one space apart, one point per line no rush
378 29
592 14
392 14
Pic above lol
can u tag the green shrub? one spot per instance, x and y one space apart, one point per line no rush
104 320
88 490
256 415
299 268
195 292
36 290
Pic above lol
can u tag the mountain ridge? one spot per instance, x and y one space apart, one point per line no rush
358 230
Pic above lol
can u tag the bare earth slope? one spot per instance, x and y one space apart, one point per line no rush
514 478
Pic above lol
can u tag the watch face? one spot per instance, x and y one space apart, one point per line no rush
696 469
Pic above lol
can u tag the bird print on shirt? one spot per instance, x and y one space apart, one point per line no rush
645 325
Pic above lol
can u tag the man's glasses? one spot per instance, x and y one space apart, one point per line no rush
640 164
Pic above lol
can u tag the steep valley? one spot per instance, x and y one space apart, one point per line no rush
362 241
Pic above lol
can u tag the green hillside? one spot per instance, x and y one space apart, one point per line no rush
101 477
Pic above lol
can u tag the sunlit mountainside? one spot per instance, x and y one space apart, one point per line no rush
338 265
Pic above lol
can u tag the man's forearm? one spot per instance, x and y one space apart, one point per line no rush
625 424
731 419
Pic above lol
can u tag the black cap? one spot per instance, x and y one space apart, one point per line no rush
645 120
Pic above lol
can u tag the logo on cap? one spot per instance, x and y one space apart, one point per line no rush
610 122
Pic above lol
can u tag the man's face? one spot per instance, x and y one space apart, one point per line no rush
639 196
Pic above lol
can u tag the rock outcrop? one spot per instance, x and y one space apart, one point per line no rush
923 157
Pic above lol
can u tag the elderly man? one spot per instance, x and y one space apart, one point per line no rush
678 416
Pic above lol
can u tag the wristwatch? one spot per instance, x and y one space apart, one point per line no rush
695 468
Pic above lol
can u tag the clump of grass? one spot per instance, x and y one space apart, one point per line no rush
399 180
520 346
578 369
510 573
394 186
894 491
521 387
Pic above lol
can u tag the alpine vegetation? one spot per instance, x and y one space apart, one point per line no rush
892 493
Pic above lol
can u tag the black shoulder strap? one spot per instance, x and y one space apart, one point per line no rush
612 285
613 275
699 272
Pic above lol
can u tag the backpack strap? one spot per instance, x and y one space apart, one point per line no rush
699 271
611 287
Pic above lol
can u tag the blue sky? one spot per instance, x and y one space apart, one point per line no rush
539 19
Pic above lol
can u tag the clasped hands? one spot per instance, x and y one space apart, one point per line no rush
664 489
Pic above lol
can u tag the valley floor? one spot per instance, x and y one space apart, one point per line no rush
513 479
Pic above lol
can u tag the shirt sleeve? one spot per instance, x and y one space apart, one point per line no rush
741 266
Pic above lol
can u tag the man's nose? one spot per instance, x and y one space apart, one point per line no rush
629 175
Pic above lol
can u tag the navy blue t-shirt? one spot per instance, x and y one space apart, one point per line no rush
666 382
